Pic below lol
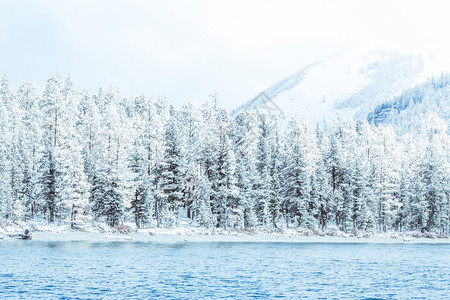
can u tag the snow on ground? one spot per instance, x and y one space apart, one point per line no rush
226 236
332 88
189 232
436 63
316 95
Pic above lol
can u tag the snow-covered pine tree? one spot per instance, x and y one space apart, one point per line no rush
201 204
222 172
139 206
275 171
225 184
169 195
245 139
263 163
63 182
415 206
31 138
193 138
90 128
320 185
346 133
336 171
148 150
209 149
434 173
7 168
387 177
136 155
297 184
72 185
409 166
49 105
17 160
116 142
358 172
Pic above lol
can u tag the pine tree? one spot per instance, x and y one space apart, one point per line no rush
223 178
16 154
388 178
118 177
71 155
31 147
63 181
263 184
90 128
140 163
193 140
49 105
320 185
170 182
410 158
297 188
225 183
434 173
72 185
202 203
245 133
8 151
275 171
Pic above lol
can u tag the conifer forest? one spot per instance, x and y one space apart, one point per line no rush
81 156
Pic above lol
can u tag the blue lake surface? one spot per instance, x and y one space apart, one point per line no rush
87 270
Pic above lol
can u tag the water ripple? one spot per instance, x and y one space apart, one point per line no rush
223 270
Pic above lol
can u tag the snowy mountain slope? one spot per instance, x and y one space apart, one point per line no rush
351 84
408 111
280 87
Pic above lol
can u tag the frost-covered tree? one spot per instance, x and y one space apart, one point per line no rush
298 205
73 157
202 202
275 172
50 104
320 184
223 169
245 141
90 128
193 139
224 185
115 176
72 185
170 175
143 160
434 175
264 180
387 180
63 180
8 153
31 147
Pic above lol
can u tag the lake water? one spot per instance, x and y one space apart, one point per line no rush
32 269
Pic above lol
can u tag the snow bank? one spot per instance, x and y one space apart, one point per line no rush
98 232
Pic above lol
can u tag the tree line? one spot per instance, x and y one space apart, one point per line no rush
78 156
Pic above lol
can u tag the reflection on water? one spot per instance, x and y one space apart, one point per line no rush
231 270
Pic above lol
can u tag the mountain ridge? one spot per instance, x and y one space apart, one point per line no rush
351 84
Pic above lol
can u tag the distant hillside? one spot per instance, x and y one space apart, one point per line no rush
406 112
351 84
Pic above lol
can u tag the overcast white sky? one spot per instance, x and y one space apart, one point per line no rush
185 50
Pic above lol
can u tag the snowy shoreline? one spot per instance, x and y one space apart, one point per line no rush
63 233
199 238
